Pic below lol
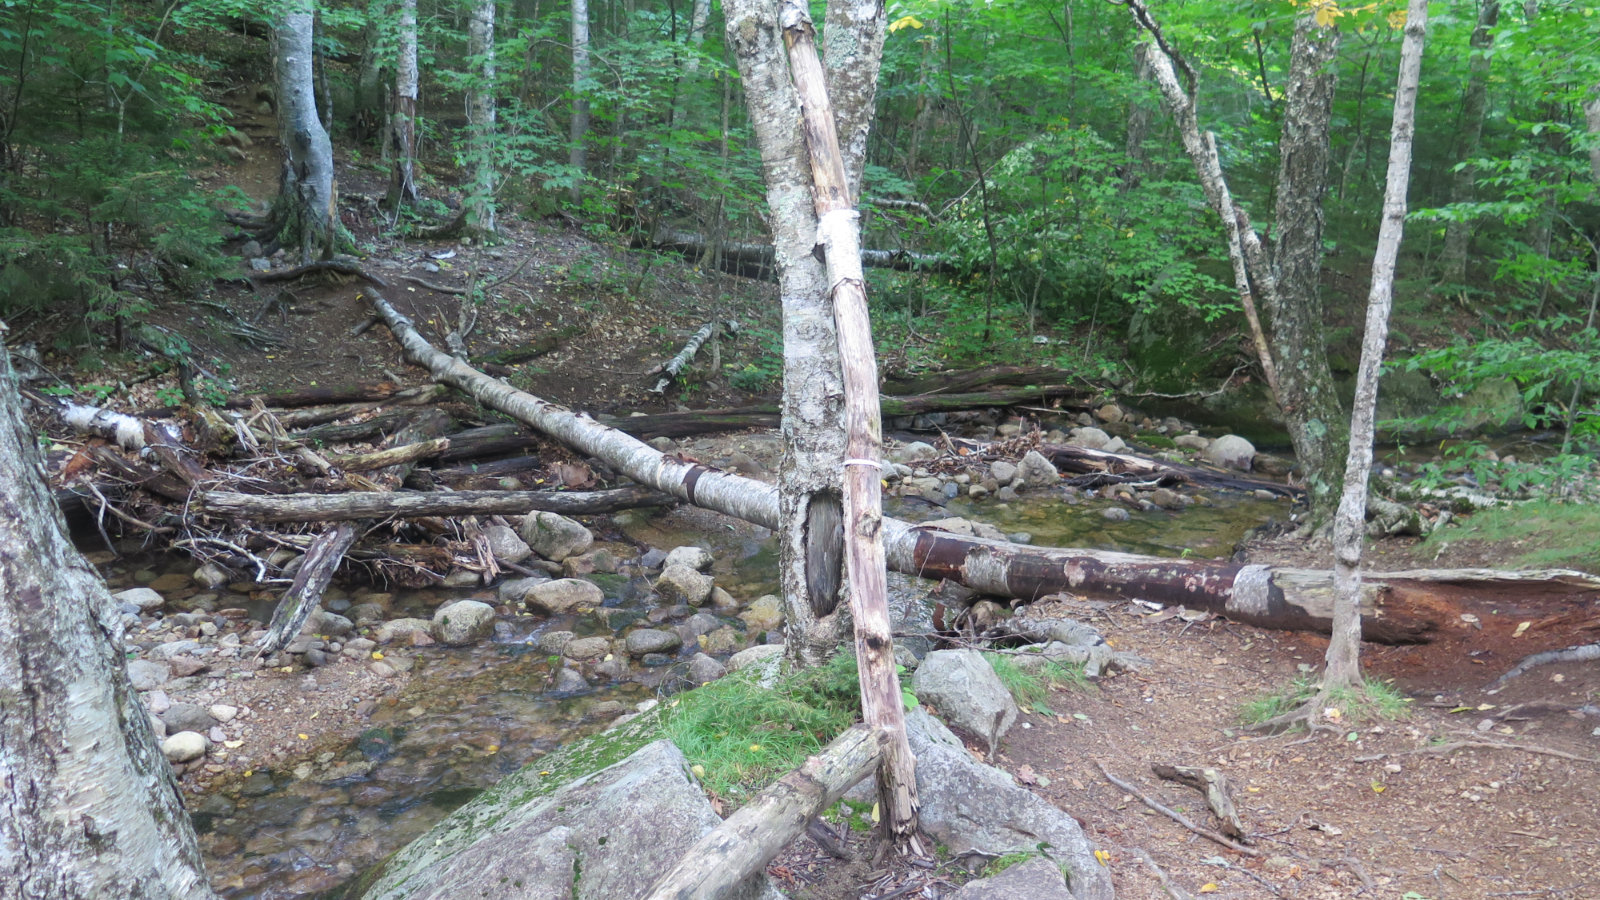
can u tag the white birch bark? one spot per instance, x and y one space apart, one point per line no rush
479 205
1343 656
578 153
88 805
401 140
306 192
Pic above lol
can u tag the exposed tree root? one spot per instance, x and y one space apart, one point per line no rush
1476 743
1580 653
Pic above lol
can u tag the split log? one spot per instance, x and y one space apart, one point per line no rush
305 594
489 440
1398 606
696 341
412 504
390 456
751 837
316 415
354 431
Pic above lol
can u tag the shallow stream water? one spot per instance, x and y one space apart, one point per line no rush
468 717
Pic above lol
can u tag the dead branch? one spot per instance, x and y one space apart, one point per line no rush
409 504
1214 786
1176 816
1173 891
1580 653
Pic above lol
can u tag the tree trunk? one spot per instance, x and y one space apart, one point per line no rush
1591 115
413 504
305 214
402 131
479 205
1344 650
1316 424
369 77
839 233
1458 234
89 807
578 154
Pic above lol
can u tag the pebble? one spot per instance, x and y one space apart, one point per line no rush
224 713
184 746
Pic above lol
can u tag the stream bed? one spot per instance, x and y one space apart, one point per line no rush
470 716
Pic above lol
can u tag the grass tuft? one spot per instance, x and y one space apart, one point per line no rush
1372 700
1030 686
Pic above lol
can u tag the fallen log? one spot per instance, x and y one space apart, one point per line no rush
316 415
128 432
353 393
749 839
746 256
412 504
676 364
390 456
966 380
1084 461
1396 607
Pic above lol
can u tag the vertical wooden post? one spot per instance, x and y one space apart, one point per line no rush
838 233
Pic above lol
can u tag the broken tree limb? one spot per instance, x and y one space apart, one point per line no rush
1176 816
390 456
304 595
696 341
128 432
1214 786
751 837
354 393
746 257
1397 606
1581 653
409 504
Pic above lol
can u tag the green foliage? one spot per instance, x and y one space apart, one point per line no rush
765 371
744 735
1370 701
1537 533
1031 686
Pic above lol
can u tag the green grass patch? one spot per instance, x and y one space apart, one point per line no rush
1031 682
1373 700
743 736
1537 533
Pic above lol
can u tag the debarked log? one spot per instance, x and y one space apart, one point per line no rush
751 837
409 504
748 255
1397 606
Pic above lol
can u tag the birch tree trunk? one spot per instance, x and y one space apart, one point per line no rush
1349 531
839 232
578 154
479 205
1458 234
402 131
305 214
88 805
1312 411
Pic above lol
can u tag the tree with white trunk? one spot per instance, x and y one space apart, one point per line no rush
305 214
577 152
478 209
89 807
400 144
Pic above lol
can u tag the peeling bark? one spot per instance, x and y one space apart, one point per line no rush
305 210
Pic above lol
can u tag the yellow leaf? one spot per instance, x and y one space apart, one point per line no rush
1103 857
904 22
377 654
492 749
1379 788
755 748
1523 627
304 737
1209 887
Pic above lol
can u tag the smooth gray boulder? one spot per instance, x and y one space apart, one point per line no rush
652 640
1230 452
971 808
555 537
759 655
1003 471
964 688
463 623
147 674
1038 471
402 630
704 669
563 595
1032 879
505 544
184 746
1088 438
916 451
187 717
516 590
680 583
696 558
142 597
607 835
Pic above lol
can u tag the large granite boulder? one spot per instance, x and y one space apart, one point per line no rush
463 623
555 537
604 835
964 688
1033 879
1230 452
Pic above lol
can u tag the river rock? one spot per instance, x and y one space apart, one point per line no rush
1033 879
223 713
1114 445
157 702
506 545
1089 438
1166 498
328 623
553 642
569 681
187 717
1111 413
515 591
698 624
642 641
1191 442
587 648
697 558
703 669
1230 451
212 576
402 630
965 689
760 654
142 597
184 746
463 623
555 537
916 451
1115 514
563 596
605 835
682 584
765 614
366 614
1037 470
148 674
723 600
972 808
1004 472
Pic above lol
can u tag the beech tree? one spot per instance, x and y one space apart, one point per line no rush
89 807
304 215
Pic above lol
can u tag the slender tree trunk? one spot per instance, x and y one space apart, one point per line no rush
578 154
1139 119
1316 423
1458 234
89 807
1591 115
839 232
402 136
369 76
1349 530
479 206
305 215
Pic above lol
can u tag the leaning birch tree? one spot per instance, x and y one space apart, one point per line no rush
304 214
89 807
1343 657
